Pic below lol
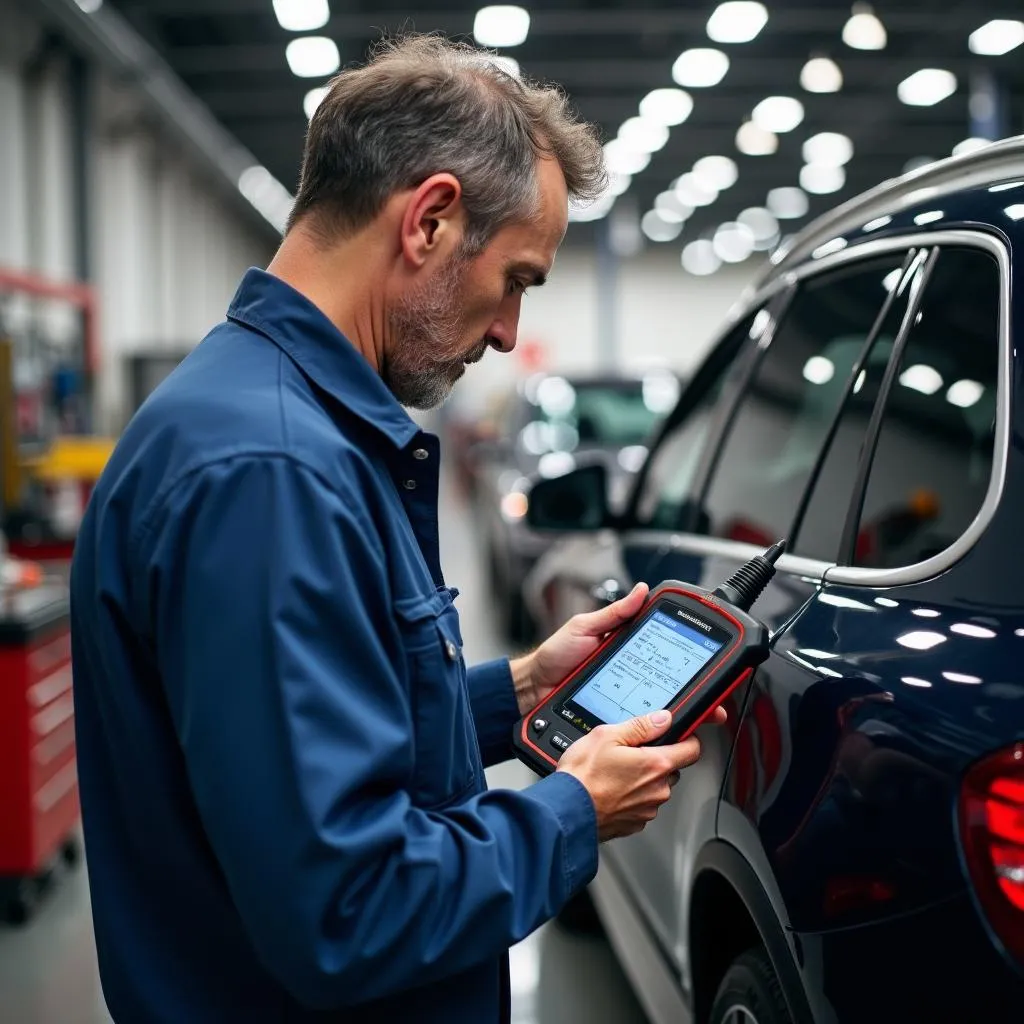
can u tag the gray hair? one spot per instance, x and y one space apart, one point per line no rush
423 105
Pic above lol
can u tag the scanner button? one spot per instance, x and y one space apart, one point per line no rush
539 725
560 741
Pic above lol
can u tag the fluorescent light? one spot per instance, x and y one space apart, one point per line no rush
501 25
921 640
921 377
971 145
925 613
926 87
863 31
302 15
787 203
928 217
960 677
312 100
969 629
671 207
642 135
833 245
964 393
700 258
693 192
819 370
996 37
313 56
737 21
658 228
1015 212
829 148
874 225
270 198
820 74
666 106
762 223
624 159
778 114
716 172
821 179
914 681
700 68
733 242
754 140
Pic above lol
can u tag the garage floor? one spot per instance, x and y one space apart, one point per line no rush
48 969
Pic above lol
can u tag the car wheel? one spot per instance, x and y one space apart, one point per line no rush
750 993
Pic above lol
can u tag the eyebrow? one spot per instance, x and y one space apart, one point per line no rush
536 275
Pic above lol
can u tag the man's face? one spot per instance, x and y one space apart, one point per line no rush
471 302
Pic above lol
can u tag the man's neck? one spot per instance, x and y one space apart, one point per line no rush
343 282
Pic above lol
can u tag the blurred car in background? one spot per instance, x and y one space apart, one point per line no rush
850 847
543 428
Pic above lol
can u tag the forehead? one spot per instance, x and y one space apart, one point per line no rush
537 240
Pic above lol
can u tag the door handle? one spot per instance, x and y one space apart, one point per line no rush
607 592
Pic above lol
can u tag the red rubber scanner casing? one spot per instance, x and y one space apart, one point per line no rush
732 666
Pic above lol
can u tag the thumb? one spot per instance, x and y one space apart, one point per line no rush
643 729
604 620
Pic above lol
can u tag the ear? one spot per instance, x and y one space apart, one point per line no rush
434 218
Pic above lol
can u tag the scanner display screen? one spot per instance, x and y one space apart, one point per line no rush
650 670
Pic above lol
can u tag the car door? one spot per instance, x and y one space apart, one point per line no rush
750 492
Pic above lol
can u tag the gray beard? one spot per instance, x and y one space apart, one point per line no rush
426 328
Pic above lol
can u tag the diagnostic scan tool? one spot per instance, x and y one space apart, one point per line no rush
685 651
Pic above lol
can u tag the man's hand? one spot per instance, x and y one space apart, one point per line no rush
537 674
627 782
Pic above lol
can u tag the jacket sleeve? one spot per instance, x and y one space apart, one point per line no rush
495 710
274 633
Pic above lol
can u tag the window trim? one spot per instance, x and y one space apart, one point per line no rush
830 572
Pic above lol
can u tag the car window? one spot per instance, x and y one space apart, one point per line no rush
783 419
665 500
933 460
820 532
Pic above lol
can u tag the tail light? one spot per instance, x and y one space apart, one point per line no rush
992 831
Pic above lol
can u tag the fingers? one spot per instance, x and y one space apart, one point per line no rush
720 717
643 729
604 620
682 755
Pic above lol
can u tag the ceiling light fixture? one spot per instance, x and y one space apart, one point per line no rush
753 140
716 173
819 370
666 106
301 15
312 57
763 224
642 135
700 68
658 229
996 37
787 203
699 258
820 74
778 114
621 158
921 377
964 393
671 207
926 87
863 30
312 100
501 25
829 148
693 192
737 21
733 242
822 179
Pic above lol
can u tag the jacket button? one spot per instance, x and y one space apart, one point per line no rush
409 485
421 454
451 650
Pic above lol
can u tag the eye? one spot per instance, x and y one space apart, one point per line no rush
516 286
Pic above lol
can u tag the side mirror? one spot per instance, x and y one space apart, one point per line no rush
576 501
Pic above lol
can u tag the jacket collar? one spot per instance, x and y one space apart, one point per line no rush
268 305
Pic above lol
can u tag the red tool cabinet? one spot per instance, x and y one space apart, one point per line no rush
39 809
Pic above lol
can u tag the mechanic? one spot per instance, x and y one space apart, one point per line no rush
281 752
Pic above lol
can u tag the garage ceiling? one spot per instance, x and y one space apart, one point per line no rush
609 55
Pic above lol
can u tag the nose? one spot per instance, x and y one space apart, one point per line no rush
503 331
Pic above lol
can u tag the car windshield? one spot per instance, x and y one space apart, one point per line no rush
566 415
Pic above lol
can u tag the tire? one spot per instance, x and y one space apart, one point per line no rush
750 992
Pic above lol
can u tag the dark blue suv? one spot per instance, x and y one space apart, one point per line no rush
851 847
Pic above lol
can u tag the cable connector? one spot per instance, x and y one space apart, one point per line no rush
747 584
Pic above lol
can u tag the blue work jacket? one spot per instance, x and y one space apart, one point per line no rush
281 751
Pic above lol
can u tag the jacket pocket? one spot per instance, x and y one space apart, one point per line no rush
447 755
